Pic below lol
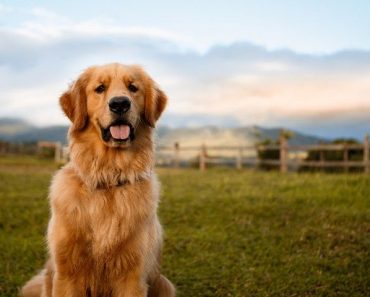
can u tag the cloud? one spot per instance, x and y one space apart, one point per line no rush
236 84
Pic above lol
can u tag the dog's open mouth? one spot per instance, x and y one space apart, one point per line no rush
118 131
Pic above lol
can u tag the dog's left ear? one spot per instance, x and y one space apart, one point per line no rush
155 103
74 105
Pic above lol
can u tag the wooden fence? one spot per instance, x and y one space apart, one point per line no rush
284 162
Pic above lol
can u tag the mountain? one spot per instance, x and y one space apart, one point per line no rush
217 136
16 130
10 127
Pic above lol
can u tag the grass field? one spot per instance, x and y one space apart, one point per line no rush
228 232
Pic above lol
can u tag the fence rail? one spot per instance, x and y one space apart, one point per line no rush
284 162
286 156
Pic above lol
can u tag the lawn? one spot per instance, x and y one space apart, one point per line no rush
228 232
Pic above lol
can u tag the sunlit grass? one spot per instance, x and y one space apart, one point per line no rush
228 232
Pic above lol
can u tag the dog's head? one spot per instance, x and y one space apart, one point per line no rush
116 100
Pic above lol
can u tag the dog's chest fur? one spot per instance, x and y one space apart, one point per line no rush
109 224
111 216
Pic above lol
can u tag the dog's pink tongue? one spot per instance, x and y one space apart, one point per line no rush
120 132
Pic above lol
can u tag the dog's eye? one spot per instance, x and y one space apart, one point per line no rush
132 88
100 89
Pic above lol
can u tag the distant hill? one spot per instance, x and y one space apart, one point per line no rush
215 136
16 130
10 127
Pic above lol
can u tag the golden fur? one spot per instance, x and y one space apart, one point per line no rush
104 236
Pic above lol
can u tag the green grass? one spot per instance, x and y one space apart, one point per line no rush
228 232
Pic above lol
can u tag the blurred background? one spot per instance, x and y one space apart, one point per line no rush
256 89
301 65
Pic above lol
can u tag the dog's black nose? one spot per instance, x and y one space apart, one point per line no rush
119 105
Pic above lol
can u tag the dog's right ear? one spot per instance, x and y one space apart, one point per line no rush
74 103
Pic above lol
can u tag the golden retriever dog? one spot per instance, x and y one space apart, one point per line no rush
104 236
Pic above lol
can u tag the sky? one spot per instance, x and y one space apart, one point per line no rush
304 65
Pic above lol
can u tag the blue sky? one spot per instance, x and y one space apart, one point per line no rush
300 64
310 26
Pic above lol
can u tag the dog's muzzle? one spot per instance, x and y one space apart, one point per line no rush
119 131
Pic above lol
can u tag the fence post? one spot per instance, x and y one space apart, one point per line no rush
322 160
176 160
239 159
258 160
202 158
366 154
345 157
58 152
283 153
65 154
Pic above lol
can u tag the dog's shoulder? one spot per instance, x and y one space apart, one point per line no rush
66 185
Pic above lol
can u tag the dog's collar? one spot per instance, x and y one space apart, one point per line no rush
129 179
108 187
121 183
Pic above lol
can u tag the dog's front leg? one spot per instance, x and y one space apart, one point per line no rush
130 286
67 287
